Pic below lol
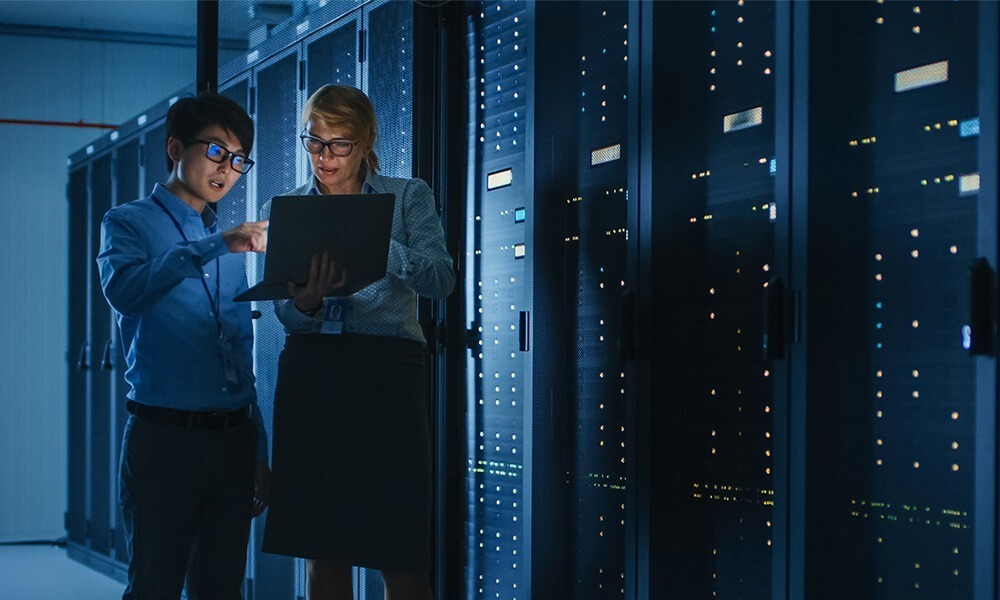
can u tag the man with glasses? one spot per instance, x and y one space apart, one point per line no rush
194 465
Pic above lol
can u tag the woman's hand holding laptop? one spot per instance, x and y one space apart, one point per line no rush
324 279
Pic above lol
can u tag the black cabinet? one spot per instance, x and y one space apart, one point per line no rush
115 169
893 399
770 361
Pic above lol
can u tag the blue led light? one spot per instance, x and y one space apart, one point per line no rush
969 128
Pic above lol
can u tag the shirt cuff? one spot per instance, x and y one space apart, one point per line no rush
296 321
210 248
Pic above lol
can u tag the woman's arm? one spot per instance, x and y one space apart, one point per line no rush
423 263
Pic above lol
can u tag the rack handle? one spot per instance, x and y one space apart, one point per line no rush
81 363
979 335
106 357
775 319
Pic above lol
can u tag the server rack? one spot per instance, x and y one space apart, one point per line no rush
877 476
547 214
894 209
740 299
120 166
499 557
711 243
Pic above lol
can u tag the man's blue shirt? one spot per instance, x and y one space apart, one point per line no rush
153 279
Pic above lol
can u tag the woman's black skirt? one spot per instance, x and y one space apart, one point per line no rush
351 453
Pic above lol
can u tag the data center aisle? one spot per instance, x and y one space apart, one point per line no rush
46 573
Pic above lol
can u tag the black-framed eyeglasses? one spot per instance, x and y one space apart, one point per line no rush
219 154
337 147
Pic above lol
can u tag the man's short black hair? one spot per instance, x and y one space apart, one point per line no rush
188 117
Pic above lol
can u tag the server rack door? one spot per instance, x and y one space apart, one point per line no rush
387 79
498 303
154 157
241 205
711 247
126 169
332 57
78 355
99 393
232 210
892 421
387 70
579 234
275 96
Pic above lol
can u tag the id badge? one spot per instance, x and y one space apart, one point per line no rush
334 316
229 365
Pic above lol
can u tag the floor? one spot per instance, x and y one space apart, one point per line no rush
46 573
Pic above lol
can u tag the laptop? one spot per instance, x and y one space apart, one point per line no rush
355 228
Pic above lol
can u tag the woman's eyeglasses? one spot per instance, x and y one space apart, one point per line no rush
337 147
219 154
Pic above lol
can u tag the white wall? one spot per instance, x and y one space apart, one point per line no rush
52 80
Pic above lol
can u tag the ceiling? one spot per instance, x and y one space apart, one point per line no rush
135 18
162 17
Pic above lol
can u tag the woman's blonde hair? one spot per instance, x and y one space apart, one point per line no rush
347 107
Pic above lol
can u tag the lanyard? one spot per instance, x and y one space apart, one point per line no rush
213 303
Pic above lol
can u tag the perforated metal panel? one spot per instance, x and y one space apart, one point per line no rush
713 213
894 226
547 406
232 210
499 558
389 84
333 58
276 97
579 385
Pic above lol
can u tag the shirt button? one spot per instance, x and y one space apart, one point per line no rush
206 274
225 389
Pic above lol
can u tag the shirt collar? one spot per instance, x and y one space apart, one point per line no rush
373 184
181 210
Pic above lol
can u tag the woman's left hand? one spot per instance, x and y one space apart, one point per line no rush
324 279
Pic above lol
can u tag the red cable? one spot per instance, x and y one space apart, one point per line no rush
57 123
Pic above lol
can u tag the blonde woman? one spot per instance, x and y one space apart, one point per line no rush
352 459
